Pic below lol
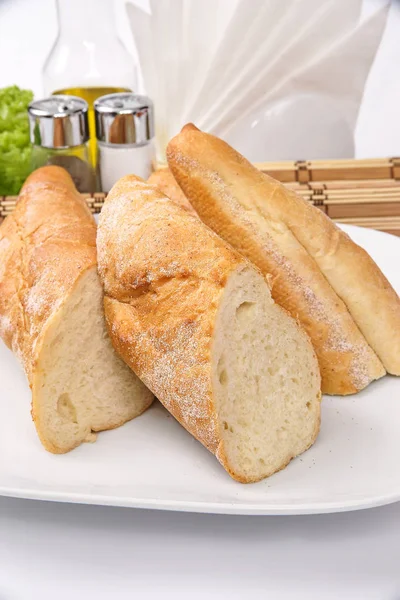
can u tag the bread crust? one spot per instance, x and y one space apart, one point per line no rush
160 309
280 233
168 185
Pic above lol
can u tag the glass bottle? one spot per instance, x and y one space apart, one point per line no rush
88 59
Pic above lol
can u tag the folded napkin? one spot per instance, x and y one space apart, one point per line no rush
280 80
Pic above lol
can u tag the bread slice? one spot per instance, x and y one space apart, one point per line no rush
51 316
196 322
166 182
318 274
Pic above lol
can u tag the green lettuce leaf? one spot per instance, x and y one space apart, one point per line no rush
15 148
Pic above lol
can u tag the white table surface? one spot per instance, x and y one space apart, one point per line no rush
60 551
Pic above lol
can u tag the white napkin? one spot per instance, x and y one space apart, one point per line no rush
223 63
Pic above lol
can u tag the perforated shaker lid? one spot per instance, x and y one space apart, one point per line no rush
58 121
124 118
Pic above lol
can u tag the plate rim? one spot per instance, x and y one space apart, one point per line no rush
202 507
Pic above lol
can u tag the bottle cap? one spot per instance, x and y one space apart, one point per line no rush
58 121
124 118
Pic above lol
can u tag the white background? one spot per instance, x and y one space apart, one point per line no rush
28 29
58 551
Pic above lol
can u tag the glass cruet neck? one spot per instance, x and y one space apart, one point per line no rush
91 19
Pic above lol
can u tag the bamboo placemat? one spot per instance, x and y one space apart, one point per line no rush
305 171
360 192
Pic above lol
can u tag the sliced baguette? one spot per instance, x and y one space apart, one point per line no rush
51 316
318 274
196 322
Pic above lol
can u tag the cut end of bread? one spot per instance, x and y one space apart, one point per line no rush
81 386
266 381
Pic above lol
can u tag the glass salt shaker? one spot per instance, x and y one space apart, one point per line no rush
59 136
125 137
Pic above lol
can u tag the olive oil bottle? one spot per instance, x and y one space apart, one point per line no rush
88 59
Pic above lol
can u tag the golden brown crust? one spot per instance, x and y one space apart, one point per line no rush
239 203
160 310
355 277
46 244
167 184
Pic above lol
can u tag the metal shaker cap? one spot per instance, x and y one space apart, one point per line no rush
124 118
58 121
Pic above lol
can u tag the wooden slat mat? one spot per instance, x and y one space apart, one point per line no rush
360 192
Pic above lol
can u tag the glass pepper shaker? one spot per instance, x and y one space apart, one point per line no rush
60 136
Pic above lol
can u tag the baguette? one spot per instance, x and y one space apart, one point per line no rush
196 322
166 182
51 316
319 275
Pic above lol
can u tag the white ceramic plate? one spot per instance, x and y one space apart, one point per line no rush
152 462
